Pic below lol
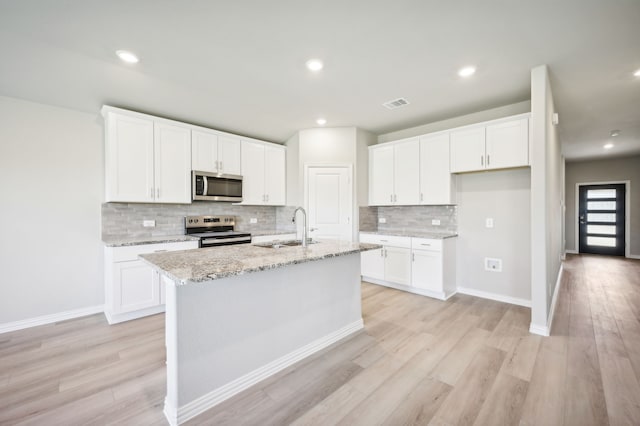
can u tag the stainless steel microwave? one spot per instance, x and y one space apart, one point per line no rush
216 187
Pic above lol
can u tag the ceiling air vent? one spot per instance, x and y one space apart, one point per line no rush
396 103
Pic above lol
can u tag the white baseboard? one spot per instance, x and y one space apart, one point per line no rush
113 318
179 415
423 292
543 330
49 319
495 296
633 256
572 251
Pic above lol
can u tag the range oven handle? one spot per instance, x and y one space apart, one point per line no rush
205 189
226 240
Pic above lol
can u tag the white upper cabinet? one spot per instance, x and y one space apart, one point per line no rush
436 181
381 175
263 172
494 145
129 159
229 155
394 173
274 175
508 144
147 161
215 153
468 149
172 152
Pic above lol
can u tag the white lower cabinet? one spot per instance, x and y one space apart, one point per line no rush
418 265
132 288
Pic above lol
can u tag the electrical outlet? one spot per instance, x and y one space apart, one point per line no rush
149 223
493 265
382 220
435 222
253 220
489 222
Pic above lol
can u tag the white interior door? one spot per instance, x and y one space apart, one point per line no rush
329 195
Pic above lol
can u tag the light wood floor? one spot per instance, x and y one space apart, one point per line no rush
418 361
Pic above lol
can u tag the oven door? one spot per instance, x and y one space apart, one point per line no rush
216 187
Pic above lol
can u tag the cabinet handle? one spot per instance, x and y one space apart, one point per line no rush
267 198
413 257
421 197
488 159
158 192
221 166
391 198
428 245
381 252
482 160
395 198
384 241
151 192
159 251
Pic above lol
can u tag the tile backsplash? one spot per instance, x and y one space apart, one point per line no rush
408 218
125 219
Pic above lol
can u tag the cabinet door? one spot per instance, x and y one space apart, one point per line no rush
372 264
426 270
508 144
172 149
381 175
136 286
204 151
252 173
129 159
406 182
435 177
467 150
229 155
274 177
397 265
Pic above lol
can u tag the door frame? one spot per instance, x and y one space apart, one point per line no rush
348 166
627 212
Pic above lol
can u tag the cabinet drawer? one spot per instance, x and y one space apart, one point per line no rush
429 244
386 240
122 254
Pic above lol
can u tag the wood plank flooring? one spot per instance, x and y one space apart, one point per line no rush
467 361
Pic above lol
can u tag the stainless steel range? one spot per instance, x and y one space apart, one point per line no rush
215 230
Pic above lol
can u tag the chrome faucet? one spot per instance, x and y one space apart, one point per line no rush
305 236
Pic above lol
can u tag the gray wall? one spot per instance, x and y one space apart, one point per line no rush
503 196
463 120
547 191
51 186
609 170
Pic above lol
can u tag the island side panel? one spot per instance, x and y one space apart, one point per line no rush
231 327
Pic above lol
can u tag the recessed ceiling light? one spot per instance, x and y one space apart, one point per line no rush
637 73
315 64
615 133
467 71
127 56
608 145
321 121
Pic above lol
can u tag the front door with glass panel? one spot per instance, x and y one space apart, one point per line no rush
601 219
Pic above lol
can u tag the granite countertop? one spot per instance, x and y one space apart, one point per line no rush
263 233
415 234
137 241
211 263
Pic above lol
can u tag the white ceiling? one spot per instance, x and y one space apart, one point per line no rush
239 65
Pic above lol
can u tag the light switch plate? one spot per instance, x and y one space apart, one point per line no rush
149 223
435 222
489 222
382 220
253 220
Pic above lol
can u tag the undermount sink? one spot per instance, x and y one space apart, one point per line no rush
279 244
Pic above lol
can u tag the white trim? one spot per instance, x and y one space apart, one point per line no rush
179 415
633 256
440 295
495 296
48 319
115 318
571 252
627 213
546 330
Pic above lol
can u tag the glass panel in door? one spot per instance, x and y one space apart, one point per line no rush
602 219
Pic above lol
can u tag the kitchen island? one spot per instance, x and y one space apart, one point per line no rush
236 315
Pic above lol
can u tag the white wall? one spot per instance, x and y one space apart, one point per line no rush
51 186
546 200
606 170
503 196
463 120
